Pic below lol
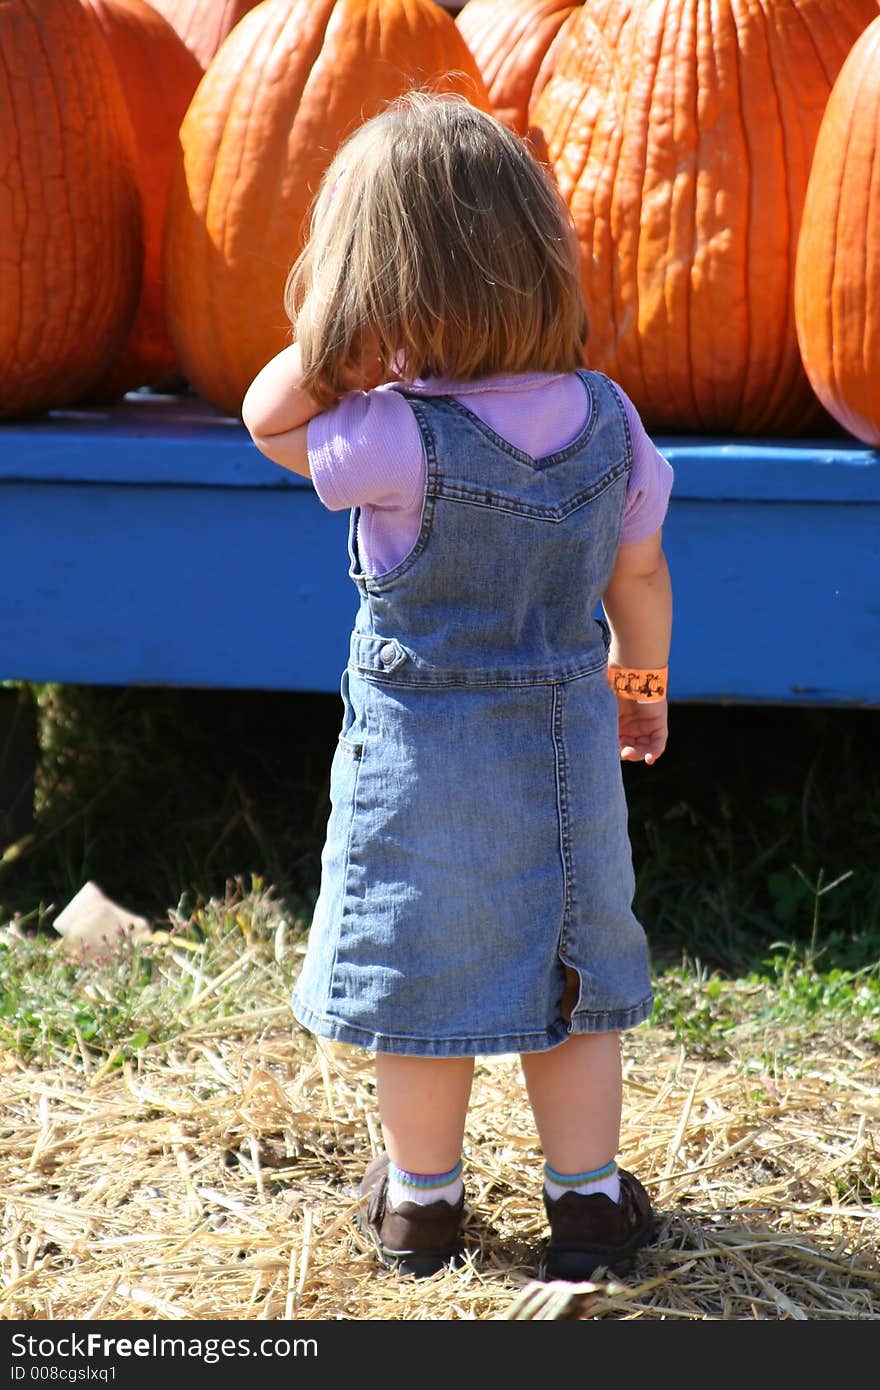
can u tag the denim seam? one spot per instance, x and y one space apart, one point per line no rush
359 762
612 1019
367 1037
563 814
607 1021
580 441
615 396
494 501
525 679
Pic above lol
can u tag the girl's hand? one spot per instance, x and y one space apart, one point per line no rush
364 376
364 370
642 730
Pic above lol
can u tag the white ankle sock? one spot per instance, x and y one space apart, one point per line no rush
605 1180
424 1188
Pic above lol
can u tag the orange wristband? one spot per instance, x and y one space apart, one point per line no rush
646 687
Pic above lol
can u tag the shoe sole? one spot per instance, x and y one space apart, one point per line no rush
421 1264
580 1262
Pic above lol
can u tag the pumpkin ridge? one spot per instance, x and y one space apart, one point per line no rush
853 155
89 108
865 326
781 364
811 411
158 75
203 25
240 136
560 137
661 189
67 318
827 302
20 145
745 155
836 319
872 231
70 205
872 238
318 72
219 198
705 254
819 52
14 337
684 287
754 364
615 132
255 75
633 334
781 53
830 39
837 277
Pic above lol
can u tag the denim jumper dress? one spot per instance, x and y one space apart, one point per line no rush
477 842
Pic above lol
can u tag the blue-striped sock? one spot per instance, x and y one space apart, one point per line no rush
424 1188
605 1179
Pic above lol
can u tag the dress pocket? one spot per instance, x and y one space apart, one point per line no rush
351 735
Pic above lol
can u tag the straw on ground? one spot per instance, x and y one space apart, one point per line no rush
216 1177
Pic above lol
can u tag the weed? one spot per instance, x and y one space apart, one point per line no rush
206 964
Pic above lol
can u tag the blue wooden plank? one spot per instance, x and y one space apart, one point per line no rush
773 470
156 441
165 441
176 586
777 602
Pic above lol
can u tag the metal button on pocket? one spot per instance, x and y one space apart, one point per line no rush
387 653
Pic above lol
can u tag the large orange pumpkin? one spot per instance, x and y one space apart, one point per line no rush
70 219
837 275
158 75
290 81
513 44
681 135
203 24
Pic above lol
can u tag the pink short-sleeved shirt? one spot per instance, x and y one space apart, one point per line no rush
367 452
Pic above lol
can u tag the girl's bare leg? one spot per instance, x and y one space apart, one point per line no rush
423 1105
575 1092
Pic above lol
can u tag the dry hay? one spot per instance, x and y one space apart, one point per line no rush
218 1180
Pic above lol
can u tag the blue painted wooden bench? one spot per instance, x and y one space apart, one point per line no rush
152 544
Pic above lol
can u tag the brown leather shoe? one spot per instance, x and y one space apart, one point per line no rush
587 1233
416 1239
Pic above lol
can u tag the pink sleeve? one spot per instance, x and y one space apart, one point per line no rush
650 483
367 451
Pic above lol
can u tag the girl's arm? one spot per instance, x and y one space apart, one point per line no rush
638 606
276 411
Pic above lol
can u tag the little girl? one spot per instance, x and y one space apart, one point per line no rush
477 879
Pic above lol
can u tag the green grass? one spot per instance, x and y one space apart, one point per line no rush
227 959
770 1015
237 957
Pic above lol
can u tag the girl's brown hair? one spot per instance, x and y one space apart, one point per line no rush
439 245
